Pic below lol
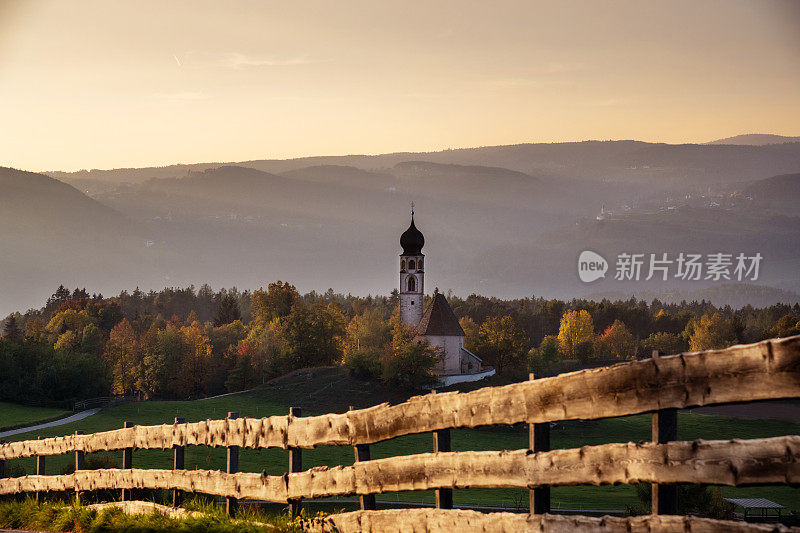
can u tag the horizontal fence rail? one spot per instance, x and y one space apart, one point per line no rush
761 371
733 463
736 374
396 520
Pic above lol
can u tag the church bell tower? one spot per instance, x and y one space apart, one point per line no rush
412 274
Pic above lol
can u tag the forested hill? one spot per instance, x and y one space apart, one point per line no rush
187 343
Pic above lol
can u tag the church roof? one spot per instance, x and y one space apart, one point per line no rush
439 319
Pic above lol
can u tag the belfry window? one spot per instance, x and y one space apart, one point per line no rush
403 265
411 264
419 264
412 284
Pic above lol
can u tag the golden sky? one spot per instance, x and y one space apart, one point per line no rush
103 84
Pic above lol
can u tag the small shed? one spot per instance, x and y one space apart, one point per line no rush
758 507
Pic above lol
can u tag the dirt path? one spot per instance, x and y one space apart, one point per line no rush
60 422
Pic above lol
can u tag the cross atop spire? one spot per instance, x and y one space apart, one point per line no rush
412 209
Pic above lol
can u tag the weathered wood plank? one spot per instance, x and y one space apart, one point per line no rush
761 371
733 463
241 485
406 520
766 370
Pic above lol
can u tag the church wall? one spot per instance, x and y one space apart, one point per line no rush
450 347
411 307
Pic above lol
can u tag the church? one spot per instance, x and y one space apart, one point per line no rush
437 323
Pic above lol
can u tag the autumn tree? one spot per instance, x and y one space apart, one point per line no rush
542 358
68 320
34 329
786 326
409 360
668 343
710 332
471 333
501 342
162 352
66 341
313 334
241 376
616 342
122 356
366 338
224 341
195 363
276 302
576 329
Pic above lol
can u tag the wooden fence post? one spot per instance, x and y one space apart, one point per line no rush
664 498
2 463
295 463
80 463
441 443
539 441
39 466
178 464
127 463
362 454
231 504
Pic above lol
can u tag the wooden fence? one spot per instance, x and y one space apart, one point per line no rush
661 385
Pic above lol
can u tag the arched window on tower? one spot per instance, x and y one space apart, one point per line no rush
419 264
412 284
411 264
403 265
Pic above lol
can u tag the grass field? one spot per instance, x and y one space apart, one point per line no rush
13 415
275 400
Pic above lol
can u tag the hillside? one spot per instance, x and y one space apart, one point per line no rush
52 234
756 139
29 198
784 187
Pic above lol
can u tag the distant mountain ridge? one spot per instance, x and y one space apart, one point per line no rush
756 139
621 161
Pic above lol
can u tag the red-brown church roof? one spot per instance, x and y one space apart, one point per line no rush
439 319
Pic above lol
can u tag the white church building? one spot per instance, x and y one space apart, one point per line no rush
437 323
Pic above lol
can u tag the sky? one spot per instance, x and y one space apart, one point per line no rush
110 84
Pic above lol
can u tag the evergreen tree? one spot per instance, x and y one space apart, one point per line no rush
11 331
227 310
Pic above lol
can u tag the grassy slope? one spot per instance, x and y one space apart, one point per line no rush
330 390
12 414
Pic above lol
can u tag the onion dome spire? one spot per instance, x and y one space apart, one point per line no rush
412 239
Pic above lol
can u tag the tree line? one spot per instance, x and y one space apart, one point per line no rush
188 343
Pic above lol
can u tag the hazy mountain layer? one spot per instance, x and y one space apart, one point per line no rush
756 139
505 221
626 161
